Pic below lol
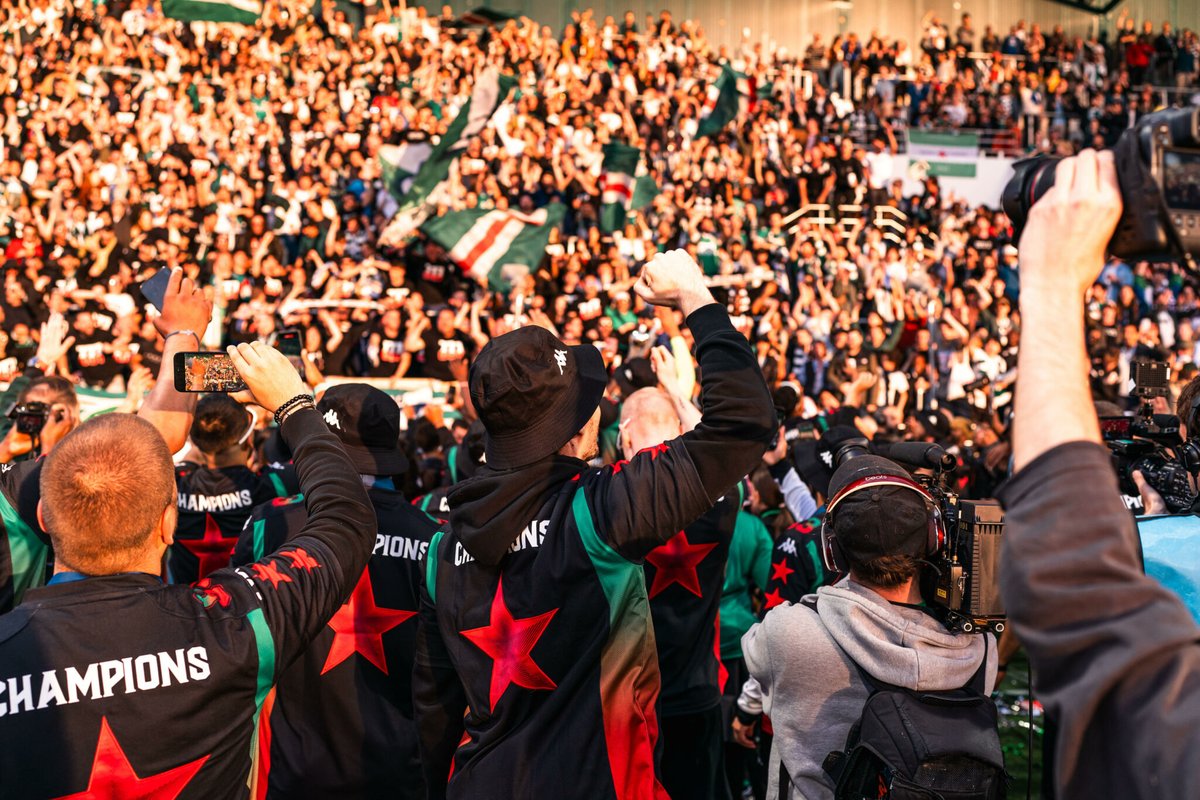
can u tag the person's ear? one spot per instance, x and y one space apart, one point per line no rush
167 523
40 519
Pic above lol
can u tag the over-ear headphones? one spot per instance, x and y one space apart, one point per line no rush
1189 451
832 553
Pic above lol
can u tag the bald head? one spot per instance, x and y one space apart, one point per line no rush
108 492
648 418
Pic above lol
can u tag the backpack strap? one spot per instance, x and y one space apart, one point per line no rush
978 682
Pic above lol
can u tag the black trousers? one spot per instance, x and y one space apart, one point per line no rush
693 763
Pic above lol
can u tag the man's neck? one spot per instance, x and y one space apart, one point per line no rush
908 593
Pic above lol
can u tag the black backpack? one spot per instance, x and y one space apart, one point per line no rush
912 745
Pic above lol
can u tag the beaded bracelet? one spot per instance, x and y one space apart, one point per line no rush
291 406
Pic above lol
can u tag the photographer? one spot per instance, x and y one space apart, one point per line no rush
872 623
1114 653
117 680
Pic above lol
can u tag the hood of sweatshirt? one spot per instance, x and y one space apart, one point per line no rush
489 511
897 644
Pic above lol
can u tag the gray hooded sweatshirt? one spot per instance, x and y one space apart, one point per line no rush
811 689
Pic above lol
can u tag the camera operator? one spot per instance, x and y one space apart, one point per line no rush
117 680
58 412
872 621
24 548
1114 654
1186 408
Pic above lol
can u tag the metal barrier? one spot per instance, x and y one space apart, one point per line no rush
845 218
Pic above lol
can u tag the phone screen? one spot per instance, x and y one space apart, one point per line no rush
155 288
206 372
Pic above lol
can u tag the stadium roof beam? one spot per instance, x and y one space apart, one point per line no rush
1094 6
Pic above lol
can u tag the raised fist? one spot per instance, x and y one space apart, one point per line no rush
673 279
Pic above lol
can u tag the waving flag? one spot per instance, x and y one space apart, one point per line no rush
245 12
496 246
617 182
720 103
414 173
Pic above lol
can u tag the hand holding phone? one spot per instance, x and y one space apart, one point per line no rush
154 289
268 374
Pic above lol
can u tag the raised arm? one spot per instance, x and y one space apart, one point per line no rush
1114 654
659 492
185 315
300 586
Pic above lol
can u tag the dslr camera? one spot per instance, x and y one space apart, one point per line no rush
1158 169
29 418
961 576
1150 443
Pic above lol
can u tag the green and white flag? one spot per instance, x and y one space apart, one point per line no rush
497 246
617 182
720 103
400 164
433 166
943 155
245 12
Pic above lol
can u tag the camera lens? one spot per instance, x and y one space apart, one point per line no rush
1032 178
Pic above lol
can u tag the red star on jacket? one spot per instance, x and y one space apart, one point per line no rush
773 599
213 550
508 642
269 571
113 776
359 626
676 562
780 571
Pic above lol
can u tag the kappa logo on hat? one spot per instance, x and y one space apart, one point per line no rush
331 419
827 458
560 358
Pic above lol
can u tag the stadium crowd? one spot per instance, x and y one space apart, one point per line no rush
249 159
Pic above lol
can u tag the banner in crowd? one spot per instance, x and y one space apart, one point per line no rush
245 12
413 188
496 245
721 103
944 155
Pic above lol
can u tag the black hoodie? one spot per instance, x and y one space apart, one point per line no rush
535 622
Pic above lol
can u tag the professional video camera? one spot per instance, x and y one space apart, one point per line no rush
1158 168
961 579
1150 443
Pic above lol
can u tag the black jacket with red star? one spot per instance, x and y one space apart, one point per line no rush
535 620
123 686
214 505
684 578
796 565
341 724
24 548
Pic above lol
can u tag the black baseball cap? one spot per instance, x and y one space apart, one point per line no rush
367 421
878 510
634 374
815 460
533 394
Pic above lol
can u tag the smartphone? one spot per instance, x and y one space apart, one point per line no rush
206 372
287 341
154 289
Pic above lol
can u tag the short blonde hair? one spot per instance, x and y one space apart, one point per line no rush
104 489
